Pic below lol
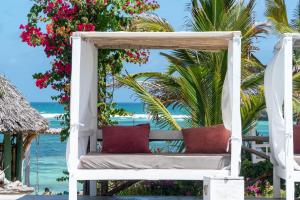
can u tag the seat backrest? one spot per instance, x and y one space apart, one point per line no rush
156 135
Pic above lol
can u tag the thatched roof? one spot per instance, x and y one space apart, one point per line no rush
16 114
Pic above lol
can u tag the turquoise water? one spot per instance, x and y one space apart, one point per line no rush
48 158
49 154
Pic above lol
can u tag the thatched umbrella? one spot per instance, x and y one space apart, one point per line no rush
18 118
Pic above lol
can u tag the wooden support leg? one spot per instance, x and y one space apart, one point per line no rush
19 157
27 167
290 189
276 183
7 156
72 188
93 188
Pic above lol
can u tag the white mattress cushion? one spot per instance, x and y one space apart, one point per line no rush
297 158
154 161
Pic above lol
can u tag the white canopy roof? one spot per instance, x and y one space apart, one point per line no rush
160 40
295 37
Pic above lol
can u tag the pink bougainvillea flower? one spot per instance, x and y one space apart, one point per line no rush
86 27
42 81
31 35
49 28
64 99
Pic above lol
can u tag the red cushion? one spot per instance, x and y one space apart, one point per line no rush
297 139
209 140
126 139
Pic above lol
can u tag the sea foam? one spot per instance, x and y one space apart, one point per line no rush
117 117
51 115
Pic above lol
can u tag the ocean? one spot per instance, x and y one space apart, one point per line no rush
47 152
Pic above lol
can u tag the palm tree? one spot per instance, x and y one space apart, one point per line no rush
277 14
194 79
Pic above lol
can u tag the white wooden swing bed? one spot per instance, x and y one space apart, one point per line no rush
84 129
279 97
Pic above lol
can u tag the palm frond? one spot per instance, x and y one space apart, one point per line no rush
295 23
251 107
277 15
252 81
150 22
153 104
296 105
296 82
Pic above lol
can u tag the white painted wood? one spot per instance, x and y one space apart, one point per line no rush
276 184
74 116
83 101
72 187
94 115
82 72
288 105
160 35
290 189
159 40
225 188
164 135
287 172
147 174
75 103
65 197
288 117
296 176
234 68
295 37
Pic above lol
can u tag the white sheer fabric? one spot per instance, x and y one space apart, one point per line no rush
231 101
274 94
86 123
275 83
226 105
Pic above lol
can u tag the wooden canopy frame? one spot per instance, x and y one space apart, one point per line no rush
279 99
84 100
159 40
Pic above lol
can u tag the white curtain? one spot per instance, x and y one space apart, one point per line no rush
84 122
231 102
275 83
231 89
226 102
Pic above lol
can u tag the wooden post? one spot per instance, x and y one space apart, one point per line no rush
234 75
27 167
13 161
288 116
19 144
7 158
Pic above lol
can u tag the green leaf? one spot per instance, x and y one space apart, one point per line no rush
153 104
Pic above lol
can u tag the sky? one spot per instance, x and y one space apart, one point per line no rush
18 61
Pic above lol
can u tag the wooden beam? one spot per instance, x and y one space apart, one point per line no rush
258 153
255 138
160 40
